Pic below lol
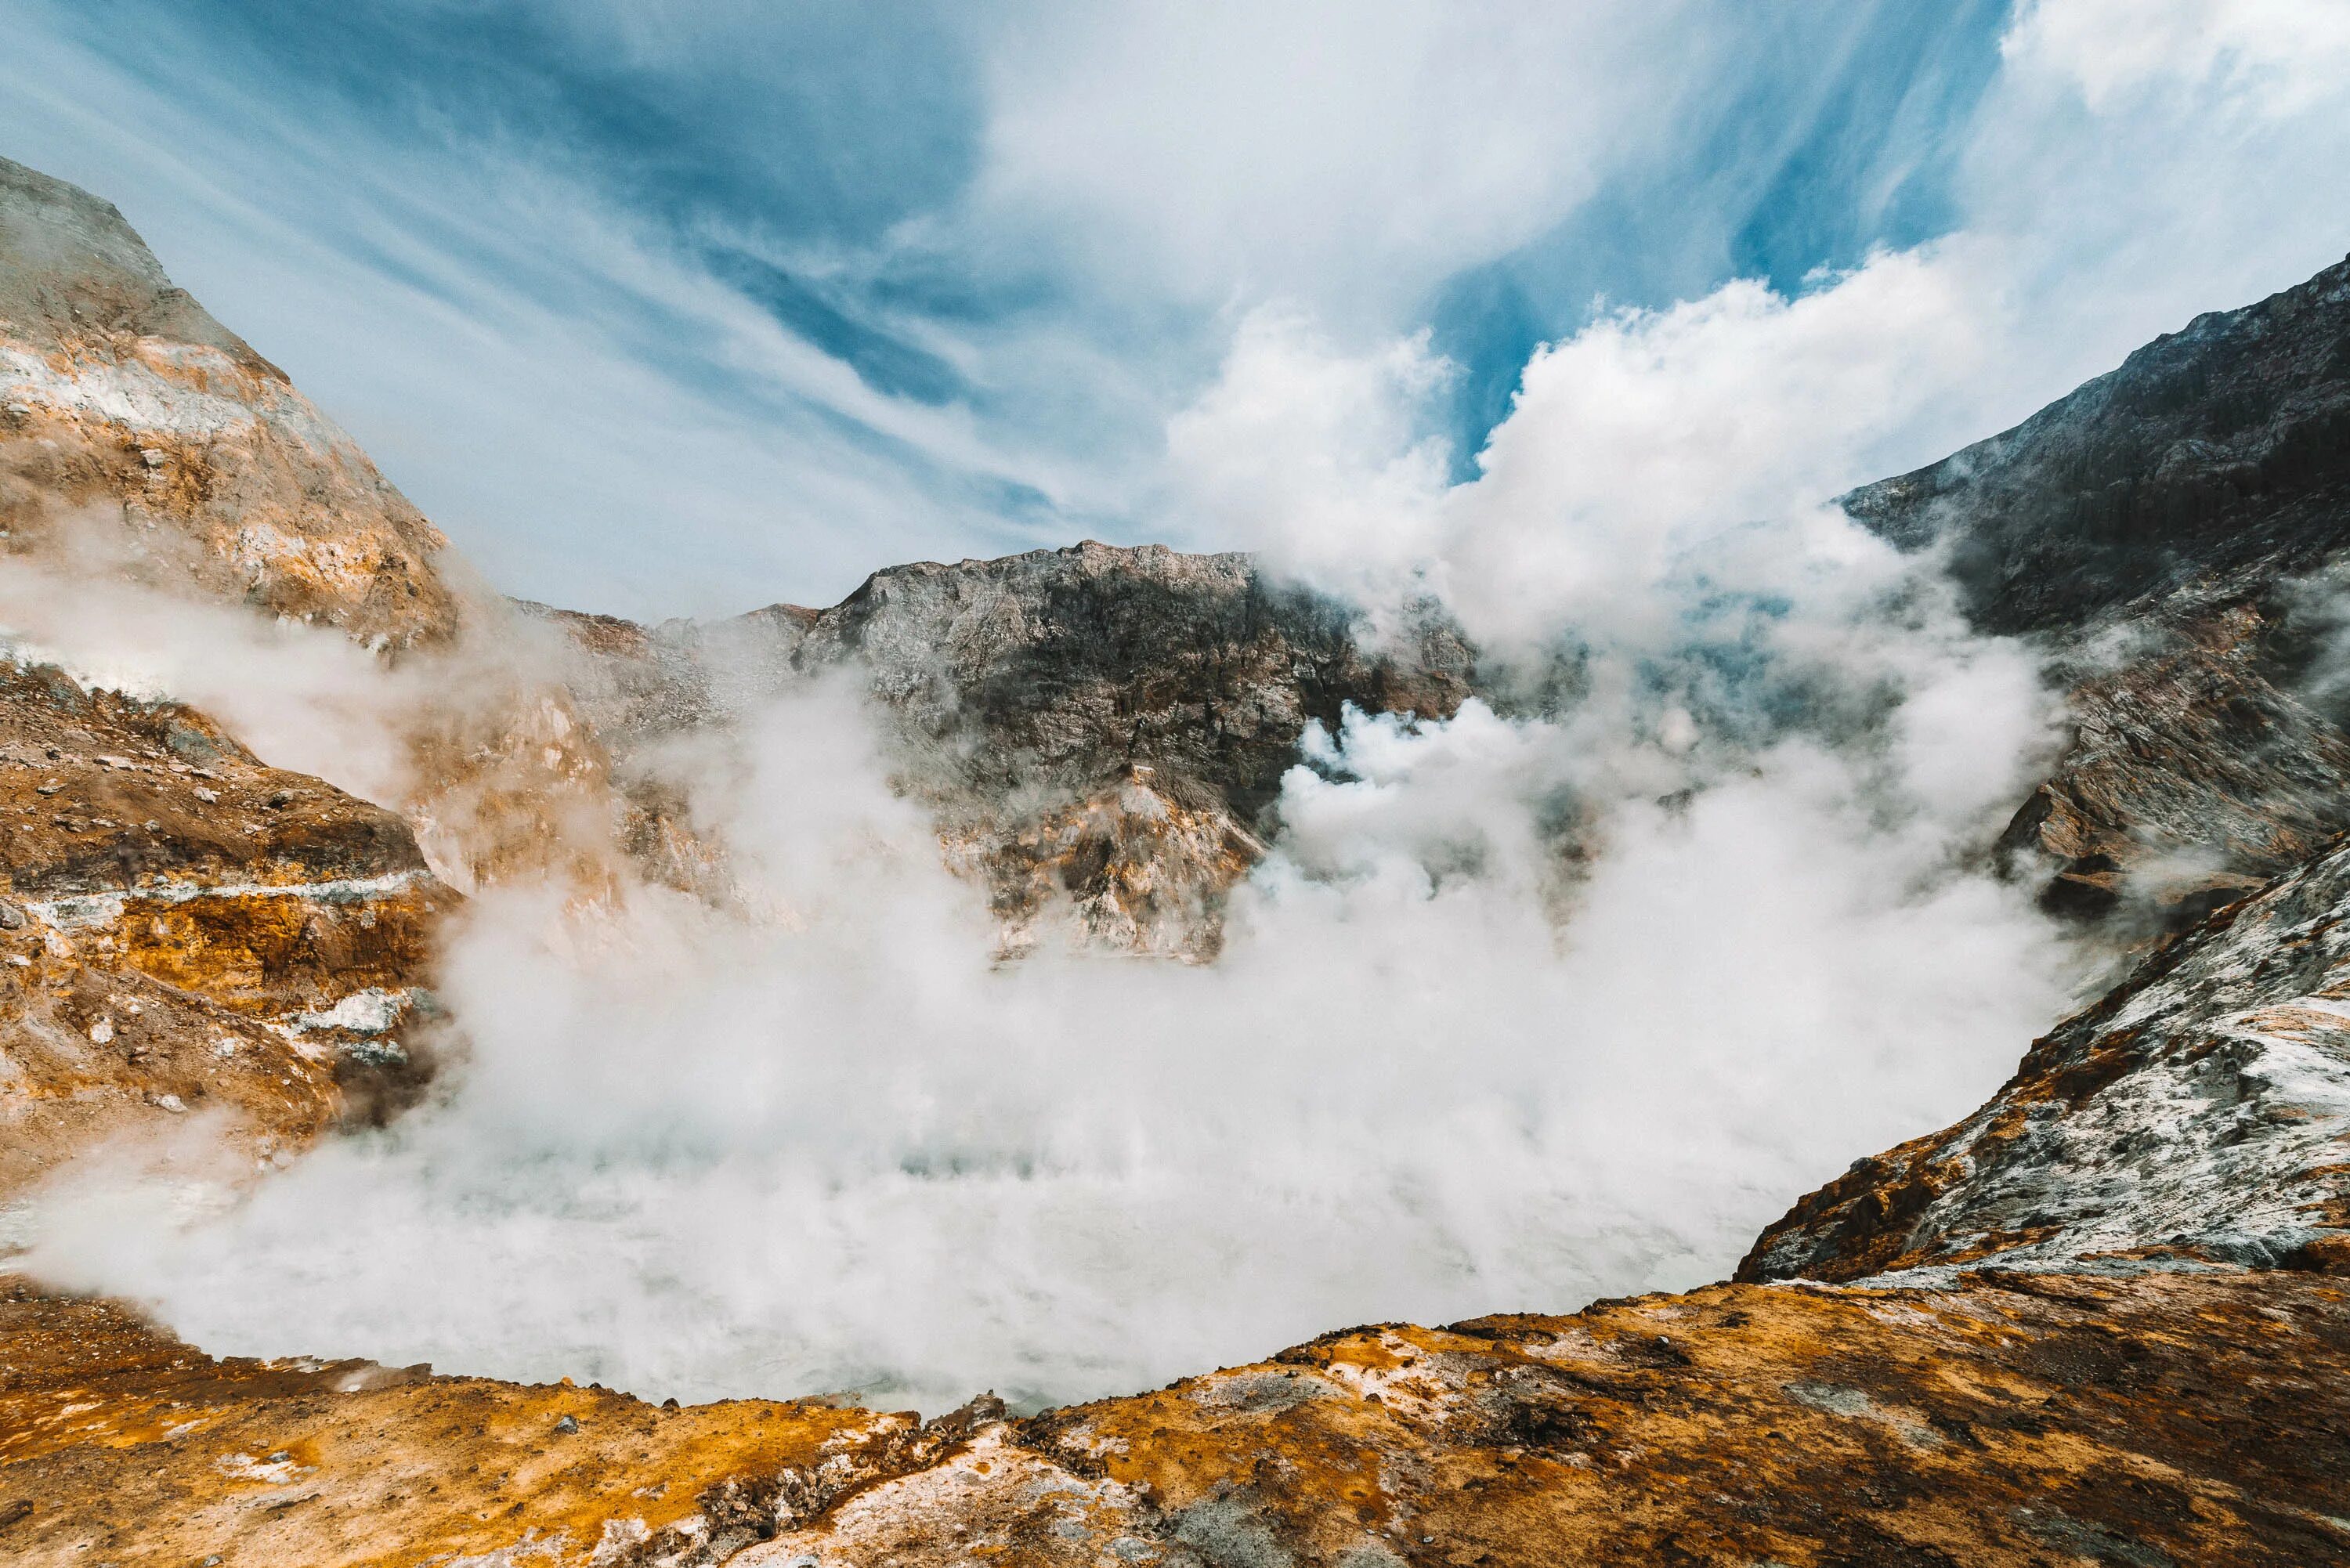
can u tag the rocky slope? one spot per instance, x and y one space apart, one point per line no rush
2192 778
1098 730
2009 1419
2165 527
139 433
2149 531
191 929
142 442
2200 1111
2217 454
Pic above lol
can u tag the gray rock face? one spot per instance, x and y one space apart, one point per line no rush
2201 1110
2166 508
2193 778
2172 510
1065 668
2221 450
1097 727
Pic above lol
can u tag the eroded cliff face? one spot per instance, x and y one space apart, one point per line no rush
1098 730
189 930
138 433
198 939
2149 532
142 442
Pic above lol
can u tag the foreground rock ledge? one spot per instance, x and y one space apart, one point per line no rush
2151 1417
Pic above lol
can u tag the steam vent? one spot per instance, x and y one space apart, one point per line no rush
1605 994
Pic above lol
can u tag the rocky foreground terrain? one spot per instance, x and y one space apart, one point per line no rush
2153 1417
2105 1318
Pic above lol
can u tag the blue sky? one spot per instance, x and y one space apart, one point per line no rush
664 308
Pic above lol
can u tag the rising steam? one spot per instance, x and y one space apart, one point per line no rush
1563 996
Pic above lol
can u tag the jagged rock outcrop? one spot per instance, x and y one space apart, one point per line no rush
186 929
139 434
1098 730
2200 1111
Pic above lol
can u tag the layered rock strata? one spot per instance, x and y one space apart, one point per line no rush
143 442
2192 777
187 930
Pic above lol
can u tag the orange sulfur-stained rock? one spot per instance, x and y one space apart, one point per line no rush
2001 1418
185 930
139 434
120 1443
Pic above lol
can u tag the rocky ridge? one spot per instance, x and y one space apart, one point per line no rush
2162 532
192 930
1097 731
136 429
188 928
2221 452
2151 531
2120 1314
143 444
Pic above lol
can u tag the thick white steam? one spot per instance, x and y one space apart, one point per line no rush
696 1156
1533 1005
1564 997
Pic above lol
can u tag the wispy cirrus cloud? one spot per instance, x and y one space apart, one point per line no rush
666 309
640 300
